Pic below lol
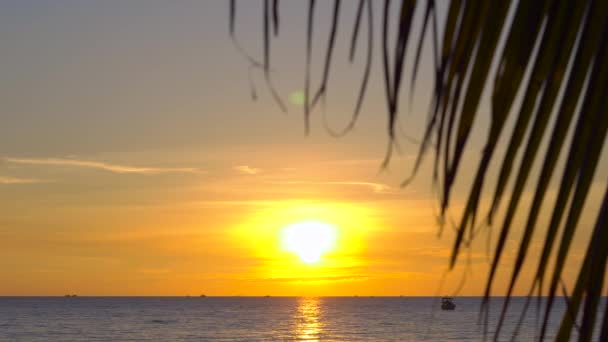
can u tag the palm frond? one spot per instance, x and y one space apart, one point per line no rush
552 54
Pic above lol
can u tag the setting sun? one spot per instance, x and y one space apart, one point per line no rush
309 240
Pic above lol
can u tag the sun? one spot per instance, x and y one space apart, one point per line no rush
309 240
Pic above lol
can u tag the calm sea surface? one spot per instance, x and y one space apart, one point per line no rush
251 319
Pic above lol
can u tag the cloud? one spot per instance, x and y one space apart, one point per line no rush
352 162
100 166
315 279
376 187
14 180
250 203
247 170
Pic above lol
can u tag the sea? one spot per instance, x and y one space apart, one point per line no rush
262 319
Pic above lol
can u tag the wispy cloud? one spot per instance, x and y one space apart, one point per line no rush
14 180
247 170
352 162
116 168
249 203
315 279
376 187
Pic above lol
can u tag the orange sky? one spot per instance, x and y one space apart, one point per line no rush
132 162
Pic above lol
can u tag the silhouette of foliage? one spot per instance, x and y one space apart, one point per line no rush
563 46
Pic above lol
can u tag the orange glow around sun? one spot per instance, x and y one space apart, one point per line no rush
302 241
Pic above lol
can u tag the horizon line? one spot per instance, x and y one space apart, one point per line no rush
265 296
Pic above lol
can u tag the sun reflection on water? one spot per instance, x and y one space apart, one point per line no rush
307 320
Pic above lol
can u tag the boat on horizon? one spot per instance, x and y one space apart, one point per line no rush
447 303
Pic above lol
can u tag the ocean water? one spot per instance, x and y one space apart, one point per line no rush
254 319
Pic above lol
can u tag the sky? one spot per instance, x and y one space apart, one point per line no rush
133 160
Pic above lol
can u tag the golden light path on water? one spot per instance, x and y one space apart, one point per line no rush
307 320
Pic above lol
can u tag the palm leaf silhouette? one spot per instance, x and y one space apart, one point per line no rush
563 46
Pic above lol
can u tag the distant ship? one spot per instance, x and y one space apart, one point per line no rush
203 296
70 295
447 304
